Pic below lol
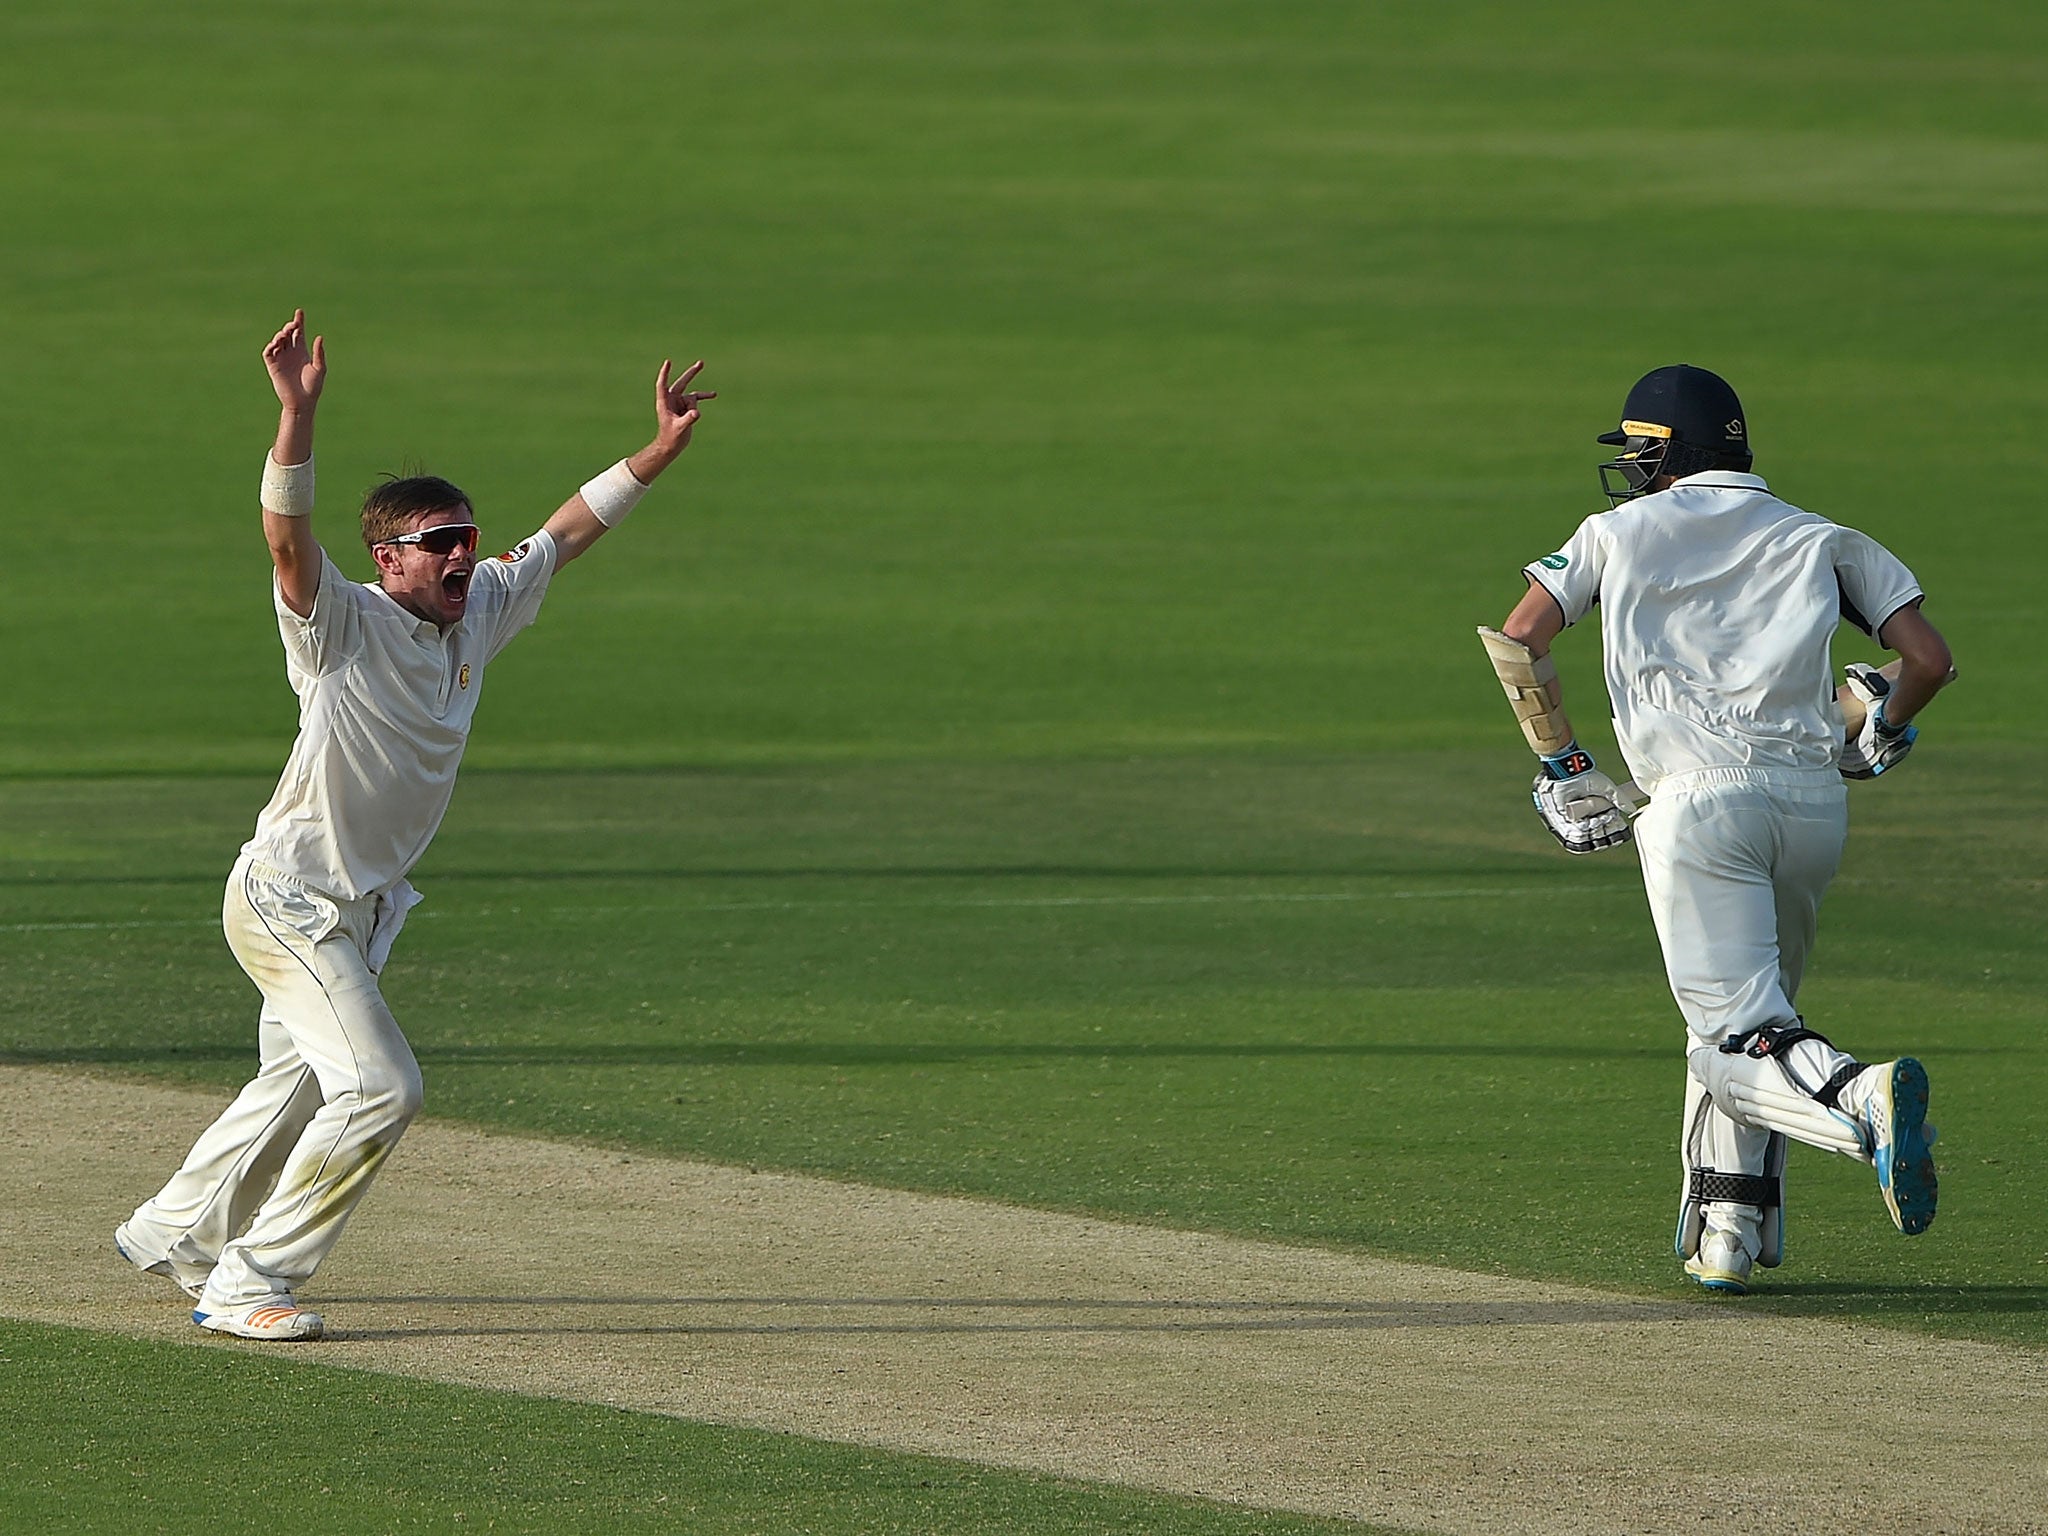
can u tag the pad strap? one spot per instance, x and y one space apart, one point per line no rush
1831 1090
1758 1189
1771 1039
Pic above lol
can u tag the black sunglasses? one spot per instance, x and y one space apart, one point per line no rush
442 539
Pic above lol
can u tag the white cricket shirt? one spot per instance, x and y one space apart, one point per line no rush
1717 605
385 704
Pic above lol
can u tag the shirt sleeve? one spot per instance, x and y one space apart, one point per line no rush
1875 583
325 638
506 592
1572 575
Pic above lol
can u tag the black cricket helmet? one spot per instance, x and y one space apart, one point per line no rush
1676 421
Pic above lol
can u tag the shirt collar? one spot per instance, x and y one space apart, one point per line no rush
1722 480
421 628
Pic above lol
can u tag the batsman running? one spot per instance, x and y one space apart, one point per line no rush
1718 604
388 674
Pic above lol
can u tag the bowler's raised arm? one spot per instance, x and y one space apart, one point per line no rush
603 503
298 373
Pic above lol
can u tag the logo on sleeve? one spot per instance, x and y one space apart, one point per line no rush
515 554
1555 562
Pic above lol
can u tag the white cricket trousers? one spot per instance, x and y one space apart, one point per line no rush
336 1087
1735 863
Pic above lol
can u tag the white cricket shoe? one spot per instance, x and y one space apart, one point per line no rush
125 1246
1722 1264
278 1320
1895 1120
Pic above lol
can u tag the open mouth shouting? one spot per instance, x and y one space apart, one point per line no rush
430 569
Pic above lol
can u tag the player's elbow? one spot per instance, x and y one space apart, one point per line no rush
1934 668
1536 631
1925 656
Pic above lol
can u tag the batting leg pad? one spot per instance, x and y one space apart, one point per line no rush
1761 1093
1736 1173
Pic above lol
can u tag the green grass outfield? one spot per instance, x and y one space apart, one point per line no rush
1034 744
123 1444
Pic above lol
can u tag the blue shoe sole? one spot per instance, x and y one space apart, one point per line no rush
1905 1168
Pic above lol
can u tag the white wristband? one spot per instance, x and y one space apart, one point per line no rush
287 488
613 494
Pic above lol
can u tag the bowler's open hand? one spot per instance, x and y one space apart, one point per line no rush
675 406
297 373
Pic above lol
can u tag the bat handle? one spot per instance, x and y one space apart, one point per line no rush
1853 712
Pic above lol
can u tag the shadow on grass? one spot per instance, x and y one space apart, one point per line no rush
824 1055
1525 870
843 1054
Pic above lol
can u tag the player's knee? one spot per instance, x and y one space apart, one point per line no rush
405 1094
1723 1076
390 1093
1710 1069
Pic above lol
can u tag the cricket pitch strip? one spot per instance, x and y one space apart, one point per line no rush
1264 1375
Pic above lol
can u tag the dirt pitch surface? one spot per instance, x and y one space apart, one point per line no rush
1285 1378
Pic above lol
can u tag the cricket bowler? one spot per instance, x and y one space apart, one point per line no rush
1718 604
388 674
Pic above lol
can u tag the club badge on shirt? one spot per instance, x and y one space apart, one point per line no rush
462 677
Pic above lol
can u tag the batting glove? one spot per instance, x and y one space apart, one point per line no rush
1879 745
1580 805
